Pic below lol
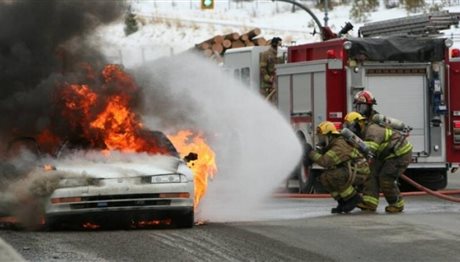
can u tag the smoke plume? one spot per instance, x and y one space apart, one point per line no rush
41 44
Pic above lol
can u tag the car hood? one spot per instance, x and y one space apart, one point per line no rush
155 165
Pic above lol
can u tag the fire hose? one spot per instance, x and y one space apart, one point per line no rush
429 191
423 191
269 96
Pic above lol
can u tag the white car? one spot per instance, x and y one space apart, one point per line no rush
123 189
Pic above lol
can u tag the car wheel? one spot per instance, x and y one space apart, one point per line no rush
51 225
186 221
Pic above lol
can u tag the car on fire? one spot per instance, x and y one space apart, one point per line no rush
128 191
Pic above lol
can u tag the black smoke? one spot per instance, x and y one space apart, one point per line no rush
41 44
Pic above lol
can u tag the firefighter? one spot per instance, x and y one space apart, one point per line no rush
268 59
392 154
363 103
345 167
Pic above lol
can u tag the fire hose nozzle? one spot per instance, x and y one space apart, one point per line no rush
191 157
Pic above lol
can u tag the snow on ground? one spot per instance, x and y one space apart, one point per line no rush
173 26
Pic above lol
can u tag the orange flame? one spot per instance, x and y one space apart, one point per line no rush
48 167
88 225
146 223
102 116
47 140
119 125
204 167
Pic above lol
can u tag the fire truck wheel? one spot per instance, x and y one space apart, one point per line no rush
315 184
434 179
308 180
304 176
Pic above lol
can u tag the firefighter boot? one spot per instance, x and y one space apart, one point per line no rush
364 206
397 207
393 209
368 204
339 208
351 203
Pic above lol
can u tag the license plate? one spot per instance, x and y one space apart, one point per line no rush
102 204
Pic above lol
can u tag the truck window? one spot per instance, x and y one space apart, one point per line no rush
245 75
236 73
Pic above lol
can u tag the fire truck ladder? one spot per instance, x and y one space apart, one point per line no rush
426 24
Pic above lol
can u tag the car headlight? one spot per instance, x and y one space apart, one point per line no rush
169 178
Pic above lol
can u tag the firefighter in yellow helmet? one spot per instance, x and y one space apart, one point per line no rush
344 166
392 154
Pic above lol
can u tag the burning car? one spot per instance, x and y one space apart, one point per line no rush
127 190
91 189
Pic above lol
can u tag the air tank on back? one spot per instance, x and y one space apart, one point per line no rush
354 139
390 122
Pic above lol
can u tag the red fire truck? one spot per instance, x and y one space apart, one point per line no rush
414 76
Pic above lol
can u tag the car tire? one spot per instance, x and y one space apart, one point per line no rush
51 225
186 221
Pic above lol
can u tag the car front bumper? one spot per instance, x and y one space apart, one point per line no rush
121 198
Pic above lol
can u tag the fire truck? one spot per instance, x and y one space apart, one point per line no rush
408 66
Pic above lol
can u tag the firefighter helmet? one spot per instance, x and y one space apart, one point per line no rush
353 121
276 41
353 116
364 97
326 128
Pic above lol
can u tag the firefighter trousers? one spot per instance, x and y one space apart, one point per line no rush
337 182
384 176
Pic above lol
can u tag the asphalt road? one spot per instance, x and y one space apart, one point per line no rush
284 230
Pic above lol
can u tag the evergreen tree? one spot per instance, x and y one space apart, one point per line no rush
360 9
413 6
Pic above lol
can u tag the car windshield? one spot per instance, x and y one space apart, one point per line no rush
158 143
162 141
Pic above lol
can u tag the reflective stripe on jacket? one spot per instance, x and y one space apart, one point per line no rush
338 153
385 143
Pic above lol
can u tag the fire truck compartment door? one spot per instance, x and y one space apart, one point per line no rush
403 97
301 89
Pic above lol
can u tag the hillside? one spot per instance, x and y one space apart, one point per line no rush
170 27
